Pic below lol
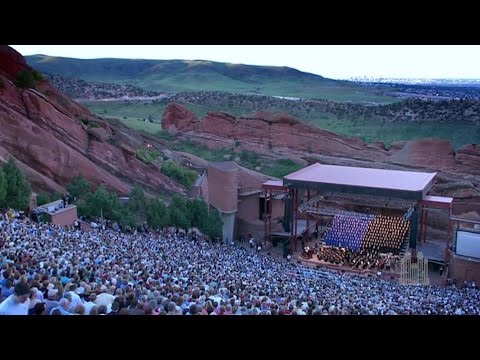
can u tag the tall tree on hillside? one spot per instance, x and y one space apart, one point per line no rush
157 214
178 218
180 214
199 213
17 187
137 204
101 204
125 217
3 189
79 187
213 225
43 198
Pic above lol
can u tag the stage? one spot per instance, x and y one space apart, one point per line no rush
315 263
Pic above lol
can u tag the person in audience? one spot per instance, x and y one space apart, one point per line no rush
251 241
17 303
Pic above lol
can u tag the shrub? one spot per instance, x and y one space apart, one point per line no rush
281 167
44 218
37 75
249 159
165 135
88 123
184 176
42 199
147 155
25 80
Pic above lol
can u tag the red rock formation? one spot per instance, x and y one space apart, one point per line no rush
469 157
281 135
55 139
177 118
435 153
11 62
266 131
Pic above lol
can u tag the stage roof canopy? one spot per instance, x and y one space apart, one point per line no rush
366 181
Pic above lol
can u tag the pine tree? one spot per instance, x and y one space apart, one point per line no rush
79 187
199 213
3 189
214 223
17 188
137 204
157 214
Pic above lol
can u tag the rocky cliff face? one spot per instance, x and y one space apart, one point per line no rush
282 135
266 131
55 139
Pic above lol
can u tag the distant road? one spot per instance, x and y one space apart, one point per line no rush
131 98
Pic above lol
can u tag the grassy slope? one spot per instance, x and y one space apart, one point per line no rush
277 168
180 75
134 110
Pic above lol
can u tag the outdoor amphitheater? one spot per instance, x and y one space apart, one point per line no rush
353 239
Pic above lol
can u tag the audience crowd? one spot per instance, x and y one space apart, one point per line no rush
48 270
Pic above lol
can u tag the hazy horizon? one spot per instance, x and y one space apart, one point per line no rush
331 61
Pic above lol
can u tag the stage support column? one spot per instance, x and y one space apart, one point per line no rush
316 219
295 219
423 224
449 235
414 229
270 200
422 214
292 220
414 255
265 233
308 221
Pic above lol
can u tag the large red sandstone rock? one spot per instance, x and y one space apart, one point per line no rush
177 117
436 153
267 131
11 62
469 157
53 139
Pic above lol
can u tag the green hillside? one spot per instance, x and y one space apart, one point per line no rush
197 75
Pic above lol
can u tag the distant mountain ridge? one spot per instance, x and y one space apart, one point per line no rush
85 68
199 75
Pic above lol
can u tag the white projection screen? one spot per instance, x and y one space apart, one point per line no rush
468 244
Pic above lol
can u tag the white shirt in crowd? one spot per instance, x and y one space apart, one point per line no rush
10 307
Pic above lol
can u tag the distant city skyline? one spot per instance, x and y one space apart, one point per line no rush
331 61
